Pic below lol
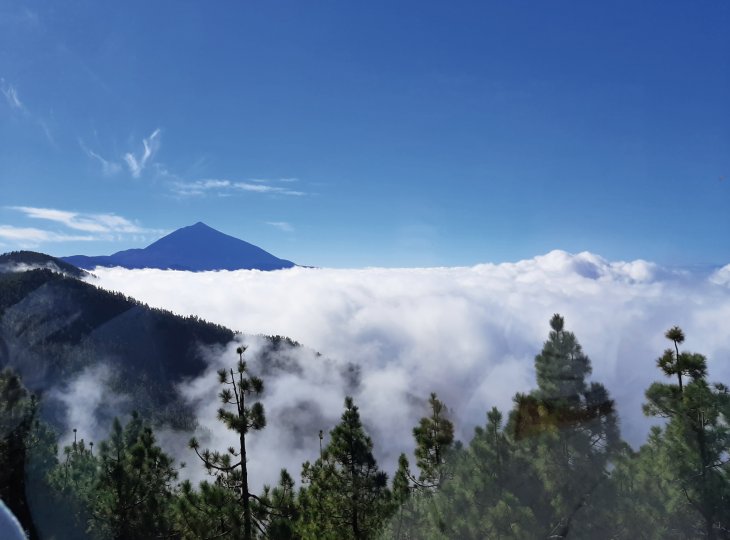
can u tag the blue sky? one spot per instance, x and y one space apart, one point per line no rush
369 133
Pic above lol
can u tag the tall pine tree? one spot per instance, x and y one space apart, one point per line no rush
230 468
568 429
345 496
695 442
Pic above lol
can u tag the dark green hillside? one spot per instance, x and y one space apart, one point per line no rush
53 326
10 261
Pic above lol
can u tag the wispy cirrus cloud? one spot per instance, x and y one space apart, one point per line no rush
108 167
150 146
13 100
11 95
274 180
199 187
92 223
266 188
30 236
283 226
226 187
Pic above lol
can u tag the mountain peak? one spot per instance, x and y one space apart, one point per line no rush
196 248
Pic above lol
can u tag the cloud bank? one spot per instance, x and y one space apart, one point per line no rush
469 334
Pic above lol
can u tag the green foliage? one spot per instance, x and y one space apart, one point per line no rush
125 491
544 474
135 484
230 468
18 410
561 367
694 445
492 492
277 509
345 496
212 511
434 436
411 496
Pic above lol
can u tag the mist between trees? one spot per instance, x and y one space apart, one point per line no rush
553 466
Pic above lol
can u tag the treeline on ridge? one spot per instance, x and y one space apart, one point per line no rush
554 466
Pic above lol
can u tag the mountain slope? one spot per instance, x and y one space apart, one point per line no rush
195 248
52 327
29 260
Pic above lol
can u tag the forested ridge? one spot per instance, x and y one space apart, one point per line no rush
53 327
553 466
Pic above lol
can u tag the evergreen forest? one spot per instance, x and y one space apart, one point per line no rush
553 466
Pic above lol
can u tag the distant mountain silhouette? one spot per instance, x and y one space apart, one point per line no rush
196 248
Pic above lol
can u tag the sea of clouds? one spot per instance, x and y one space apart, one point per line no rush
390 337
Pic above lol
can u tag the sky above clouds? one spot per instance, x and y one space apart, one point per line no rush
371 134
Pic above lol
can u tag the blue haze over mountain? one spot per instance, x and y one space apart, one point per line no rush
196 248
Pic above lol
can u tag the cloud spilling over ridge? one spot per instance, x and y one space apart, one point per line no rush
303 394
469 334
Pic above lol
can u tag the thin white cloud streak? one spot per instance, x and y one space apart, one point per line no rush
94 223
264 188
469 334
151 144
108 167
226 187
30 237
13 99
273 180
283 226
11 95
199 187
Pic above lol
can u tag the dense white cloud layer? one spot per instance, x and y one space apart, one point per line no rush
469 334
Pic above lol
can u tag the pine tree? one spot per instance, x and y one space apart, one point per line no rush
232 476
277 509
568 430
434 436
649 503
485 494
123 492
696 439
18 409
134 488
73 484
345 495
